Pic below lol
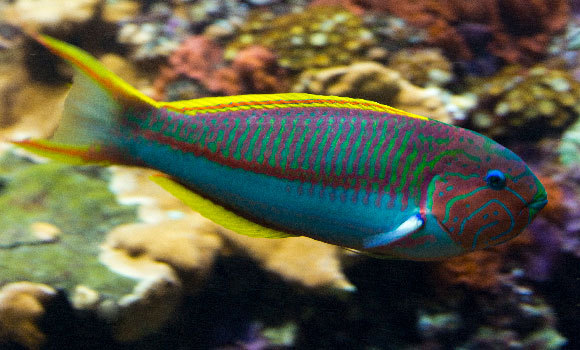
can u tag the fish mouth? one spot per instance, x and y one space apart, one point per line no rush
537 205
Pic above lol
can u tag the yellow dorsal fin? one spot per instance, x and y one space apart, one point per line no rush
271 101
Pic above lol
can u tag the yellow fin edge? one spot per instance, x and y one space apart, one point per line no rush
65 153
270 101
216 212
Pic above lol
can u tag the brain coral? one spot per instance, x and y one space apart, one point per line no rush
324 37
422 67
521 103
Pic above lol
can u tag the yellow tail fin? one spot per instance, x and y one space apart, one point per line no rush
93 108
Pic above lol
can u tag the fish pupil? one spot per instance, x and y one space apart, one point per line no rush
495 179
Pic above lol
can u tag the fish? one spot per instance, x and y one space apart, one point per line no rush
349 172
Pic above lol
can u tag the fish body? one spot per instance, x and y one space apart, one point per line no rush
349 172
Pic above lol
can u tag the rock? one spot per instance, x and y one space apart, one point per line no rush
21 306
301 260
375 82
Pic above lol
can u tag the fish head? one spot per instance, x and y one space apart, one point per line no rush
483 196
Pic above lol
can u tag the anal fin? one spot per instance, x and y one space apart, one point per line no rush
410 226
216 212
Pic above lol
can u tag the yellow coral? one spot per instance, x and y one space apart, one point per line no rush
325 36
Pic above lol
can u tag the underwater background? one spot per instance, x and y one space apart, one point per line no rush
94 258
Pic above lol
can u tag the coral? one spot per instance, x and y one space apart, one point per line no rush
197 69
23 102
301 260
558 230
150 304
515 30
21 306
367 80
82 219
372 81
218 19
257 71
155 34
197 59
37 14
72 21
325 37
120 10
477 270
525 104
392 34
189 245
427 67
569 148
509 315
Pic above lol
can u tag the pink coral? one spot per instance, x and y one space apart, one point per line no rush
197 58
258 69
253 70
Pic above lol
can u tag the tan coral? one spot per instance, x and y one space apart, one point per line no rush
21 305
426 67
166 257
375 82
153 300
189 245
26 107
301 260
120 10
35 14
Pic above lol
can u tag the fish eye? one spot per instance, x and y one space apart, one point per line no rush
495 179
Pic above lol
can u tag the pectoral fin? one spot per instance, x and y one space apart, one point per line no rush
407 228
216 212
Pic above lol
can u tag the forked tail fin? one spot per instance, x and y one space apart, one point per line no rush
93 109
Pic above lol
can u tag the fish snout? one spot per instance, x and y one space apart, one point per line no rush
538 204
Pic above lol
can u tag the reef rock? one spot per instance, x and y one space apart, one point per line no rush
525 104
25 102
570 146
324 37
150 304
21 305
518 31
300 260
189 245
426 67
197 69
375 82
36 14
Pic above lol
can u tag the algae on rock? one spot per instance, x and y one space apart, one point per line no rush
74 199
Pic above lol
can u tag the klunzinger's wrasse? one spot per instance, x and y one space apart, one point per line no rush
349 172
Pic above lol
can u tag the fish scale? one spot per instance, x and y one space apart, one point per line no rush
238 147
